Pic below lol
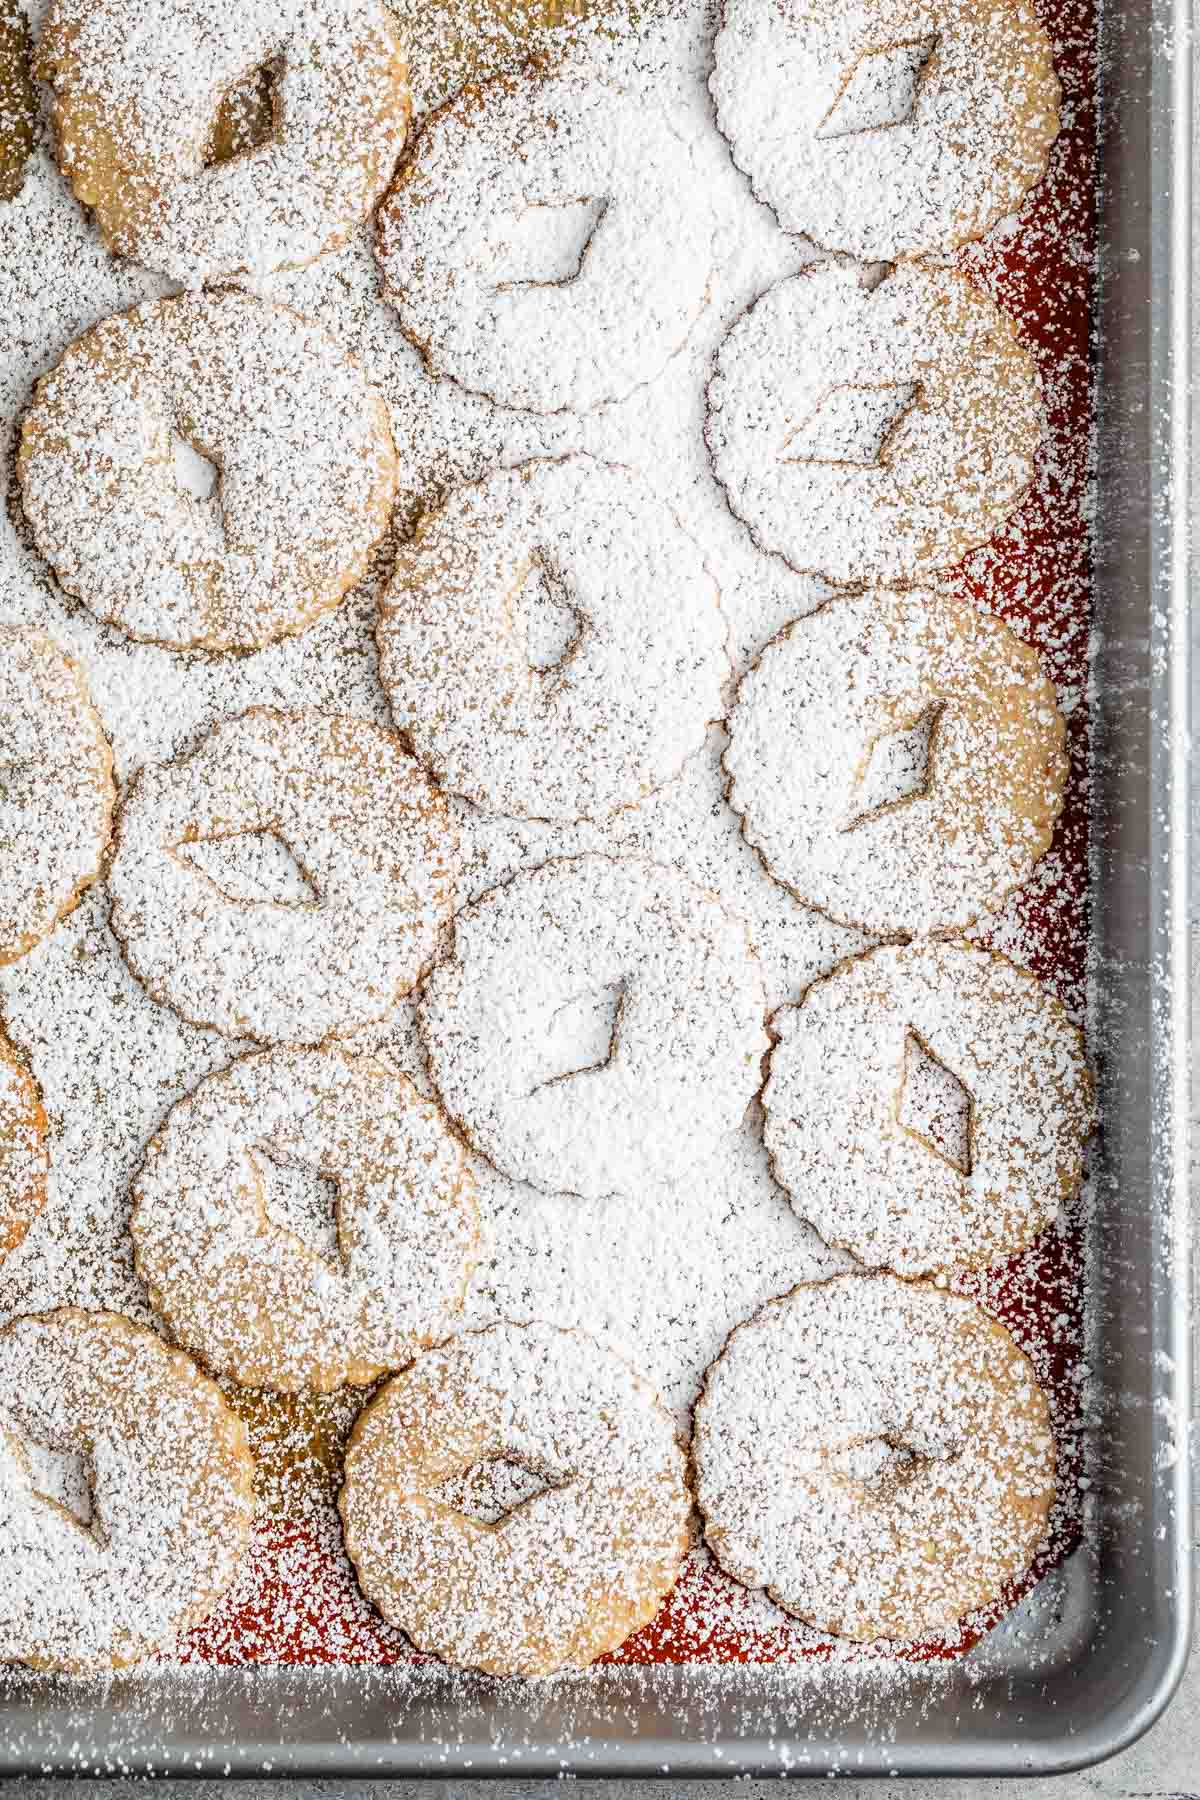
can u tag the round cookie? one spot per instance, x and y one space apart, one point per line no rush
927 1107
56 788
873 434
548 241
599 1025
537 1583
126 1492
898 760
887 128
876 1454
141 92
369 833
239 1287
528 652
24 1158
207 472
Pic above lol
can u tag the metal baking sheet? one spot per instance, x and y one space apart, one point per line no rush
1093 1654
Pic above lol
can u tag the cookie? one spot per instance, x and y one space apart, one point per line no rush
207 472
56 788
873 434
527 651
876 1454
516 1501
24 1158
928 1107
898 760
547 241
598 1025
375 859
126 1492
887 128
18 101
140 85
226 1266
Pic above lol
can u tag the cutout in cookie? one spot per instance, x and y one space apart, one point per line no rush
491 1491
583 1033
251 865
934 1107
248 115
880 89
543 611
196 474
898 767
65 1479
878 1464
547 241
301 1200
852 424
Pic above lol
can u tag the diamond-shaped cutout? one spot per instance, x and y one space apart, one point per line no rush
490 1492
247 116
64 1478
250 865
301 1200
934 1107
852 423
543 616
194 473
880 89
897 769
546 243
876 1463
582 1035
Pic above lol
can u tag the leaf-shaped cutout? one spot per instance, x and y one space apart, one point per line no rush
879 90
490 1492
545 243
543 618
301 1200
194 473
250 865
582 1035
897 768
934 1106
18 99
852 423
248 115
63 1477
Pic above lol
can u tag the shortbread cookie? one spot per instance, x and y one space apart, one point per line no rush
599 1025
126 1492
18 101
368 832
927 1108
548 241
873 434
516 1501
227 1268
887 128
877 1454
552 644
208 472
140 89
24 1159
56 788
898 761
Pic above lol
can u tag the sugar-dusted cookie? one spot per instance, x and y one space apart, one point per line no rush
548 241
551 643
24 1159
143 88
876 1453
56 788
126 1492
873 434
886 128
927 1107
599 1024
516 1501
208 472
898 761
18 101
227 1268
371 843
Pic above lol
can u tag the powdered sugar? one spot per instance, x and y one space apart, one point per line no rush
617 691
868 1177
23 1154
247 1293
886 128
898 849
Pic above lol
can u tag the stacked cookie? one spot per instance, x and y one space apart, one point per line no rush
211 474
